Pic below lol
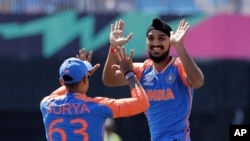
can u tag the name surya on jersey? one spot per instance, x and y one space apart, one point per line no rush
68 109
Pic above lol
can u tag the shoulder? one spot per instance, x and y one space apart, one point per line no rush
52 97
177 61
46 99
140 67
143 65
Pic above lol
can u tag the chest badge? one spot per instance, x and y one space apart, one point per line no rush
170 78
148 78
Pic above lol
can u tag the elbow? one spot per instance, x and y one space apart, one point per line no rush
198 84
146 104
107 83
143 106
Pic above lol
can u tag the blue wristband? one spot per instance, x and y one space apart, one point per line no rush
129 75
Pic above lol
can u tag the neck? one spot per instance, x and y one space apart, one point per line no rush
161 65
77 91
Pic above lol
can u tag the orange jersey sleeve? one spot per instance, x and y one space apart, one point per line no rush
181 71
125 107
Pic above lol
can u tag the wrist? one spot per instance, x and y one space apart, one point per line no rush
112 45
129 74
112 50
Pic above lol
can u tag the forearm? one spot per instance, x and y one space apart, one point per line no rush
135 105
133 82
139 93
193 72
111 76
108 75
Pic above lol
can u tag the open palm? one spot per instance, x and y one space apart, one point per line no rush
117 34
83 56
178 37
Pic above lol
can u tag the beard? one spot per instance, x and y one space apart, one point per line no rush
159 59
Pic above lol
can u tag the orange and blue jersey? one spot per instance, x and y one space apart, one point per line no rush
71 116
170 95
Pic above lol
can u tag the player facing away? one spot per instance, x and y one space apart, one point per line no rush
70 115
168 81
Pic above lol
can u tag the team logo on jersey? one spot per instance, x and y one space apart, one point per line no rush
148 78
170 78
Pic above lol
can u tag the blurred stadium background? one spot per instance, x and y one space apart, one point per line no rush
37 35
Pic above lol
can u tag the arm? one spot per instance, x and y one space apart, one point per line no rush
139 101
135 105
111 76
193 72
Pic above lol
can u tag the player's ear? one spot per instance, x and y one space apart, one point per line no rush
61 81
86 79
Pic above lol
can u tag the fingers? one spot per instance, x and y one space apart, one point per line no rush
112 27
186 26
171 33
96 66
82 54
91 72
116 25
120 54
183 25
90 56
129 37
119 25
124 63
117 67
123 53
131 54
180 24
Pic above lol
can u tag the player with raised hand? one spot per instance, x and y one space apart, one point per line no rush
70 114
168 81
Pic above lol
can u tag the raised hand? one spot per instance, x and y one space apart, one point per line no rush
177 38
117 34
125 62
82 55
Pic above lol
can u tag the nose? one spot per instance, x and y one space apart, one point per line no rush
155 42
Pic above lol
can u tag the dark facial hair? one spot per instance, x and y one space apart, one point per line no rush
160 58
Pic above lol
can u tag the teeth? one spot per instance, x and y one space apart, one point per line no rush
156 48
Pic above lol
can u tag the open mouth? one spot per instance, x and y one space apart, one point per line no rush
156 48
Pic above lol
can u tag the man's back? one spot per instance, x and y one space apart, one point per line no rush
74 117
